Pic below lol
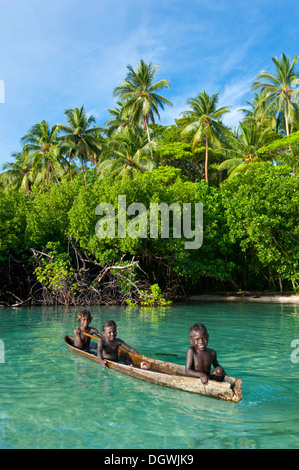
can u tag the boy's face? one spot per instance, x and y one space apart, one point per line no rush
199 340
84 321
110 333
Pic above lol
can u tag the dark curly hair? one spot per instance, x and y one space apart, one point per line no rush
198 327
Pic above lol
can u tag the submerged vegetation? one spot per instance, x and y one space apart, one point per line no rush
246 179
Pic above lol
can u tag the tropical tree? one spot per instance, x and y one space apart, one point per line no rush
279 87
18 174
259 112
81 138
205 123
245 144
138 95
42 152
119 120
127 153
282 154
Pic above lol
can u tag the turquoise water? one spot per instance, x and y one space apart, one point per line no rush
50 398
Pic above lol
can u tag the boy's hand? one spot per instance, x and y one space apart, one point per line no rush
203 377
77 330
103 363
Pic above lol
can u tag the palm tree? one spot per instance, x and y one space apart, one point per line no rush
279 86
139 97
245 144
120 120
205 122
79 135
127 153
42 151
18 174
260 113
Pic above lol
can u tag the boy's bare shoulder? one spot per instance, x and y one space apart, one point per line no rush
119 340
211 351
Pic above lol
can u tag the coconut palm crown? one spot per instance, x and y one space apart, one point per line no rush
206 122
279 86
138 94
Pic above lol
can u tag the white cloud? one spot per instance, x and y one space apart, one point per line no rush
233 95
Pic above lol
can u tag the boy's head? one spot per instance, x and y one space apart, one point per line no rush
109 329
198 336
198 327
84 314
108 323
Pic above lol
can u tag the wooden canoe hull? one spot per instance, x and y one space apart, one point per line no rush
168 374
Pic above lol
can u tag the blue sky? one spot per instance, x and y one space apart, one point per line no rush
59 54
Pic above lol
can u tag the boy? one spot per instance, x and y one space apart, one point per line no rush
108 347
80 340
199 358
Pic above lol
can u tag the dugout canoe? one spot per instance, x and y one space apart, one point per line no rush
167 374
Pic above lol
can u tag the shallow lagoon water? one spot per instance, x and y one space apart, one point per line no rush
52 399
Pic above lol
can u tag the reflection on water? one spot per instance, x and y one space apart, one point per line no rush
50 398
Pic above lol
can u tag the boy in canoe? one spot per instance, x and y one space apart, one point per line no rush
199 358
80 340
108 347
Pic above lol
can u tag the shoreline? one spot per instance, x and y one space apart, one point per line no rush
247 297
242 297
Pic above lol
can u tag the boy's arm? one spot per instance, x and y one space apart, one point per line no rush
100 354
77 338
127 347
94 331
216 363
189 368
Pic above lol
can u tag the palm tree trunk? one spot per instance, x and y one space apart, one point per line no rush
286 120
69 161
148 132
81 158
54 173
288 129
82 166
206 160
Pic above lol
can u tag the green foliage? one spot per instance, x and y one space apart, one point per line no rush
261 207
47 217
150 298
56 273
167 185
13 207
174 151
287 150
